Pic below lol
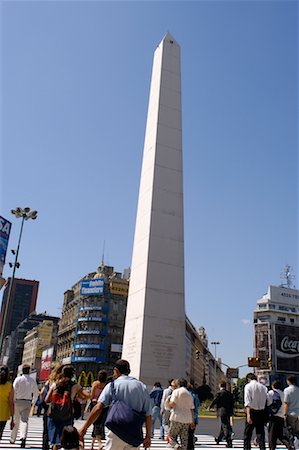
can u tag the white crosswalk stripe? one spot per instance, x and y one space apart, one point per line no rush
34 438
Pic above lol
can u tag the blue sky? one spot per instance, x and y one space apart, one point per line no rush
75 80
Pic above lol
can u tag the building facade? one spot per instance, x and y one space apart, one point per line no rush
22 303
13 345
91 328
36 340
276 333
201 366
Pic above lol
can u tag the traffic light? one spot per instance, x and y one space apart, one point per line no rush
269 362
254 361
197 354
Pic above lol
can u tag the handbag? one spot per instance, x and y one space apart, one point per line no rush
124 421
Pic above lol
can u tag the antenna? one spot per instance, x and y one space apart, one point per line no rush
103 254
287 276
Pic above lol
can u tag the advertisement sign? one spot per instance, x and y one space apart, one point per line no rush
92 287
287 348
232 372
261 331
96 346
46 363
119 287
97 359
5 227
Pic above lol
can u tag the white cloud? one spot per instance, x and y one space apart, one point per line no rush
246 321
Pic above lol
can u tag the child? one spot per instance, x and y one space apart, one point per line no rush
70 439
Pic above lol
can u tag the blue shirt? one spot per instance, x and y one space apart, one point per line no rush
156 396
130 391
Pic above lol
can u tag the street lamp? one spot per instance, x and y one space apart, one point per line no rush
215 343
26 214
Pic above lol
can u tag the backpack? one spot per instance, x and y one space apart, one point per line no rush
275 405
61 408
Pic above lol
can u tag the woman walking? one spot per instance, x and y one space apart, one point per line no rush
60 398
6 400
98 432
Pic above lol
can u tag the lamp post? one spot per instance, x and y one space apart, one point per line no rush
215 343
26 214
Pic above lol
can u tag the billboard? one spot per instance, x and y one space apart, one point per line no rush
5 227
287 348
92 287
119 287
46 363
262 343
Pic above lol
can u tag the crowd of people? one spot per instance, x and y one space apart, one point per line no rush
119 410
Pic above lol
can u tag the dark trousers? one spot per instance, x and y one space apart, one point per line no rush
191 432
258 418
2 426
276 431
225 430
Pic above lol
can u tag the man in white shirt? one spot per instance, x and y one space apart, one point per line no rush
25 395
291 405
182 416
255 400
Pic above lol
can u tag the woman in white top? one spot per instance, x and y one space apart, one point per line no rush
182 416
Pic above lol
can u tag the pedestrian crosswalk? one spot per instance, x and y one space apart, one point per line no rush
34 438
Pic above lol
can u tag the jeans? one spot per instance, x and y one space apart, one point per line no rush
157 416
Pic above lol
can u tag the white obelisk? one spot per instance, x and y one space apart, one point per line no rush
154 336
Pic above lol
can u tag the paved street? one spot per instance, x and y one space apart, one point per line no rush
204 440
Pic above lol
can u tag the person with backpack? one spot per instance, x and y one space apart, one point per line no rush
60 398
276 417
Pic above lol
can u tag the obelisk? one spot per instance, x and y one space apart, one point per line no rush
154 336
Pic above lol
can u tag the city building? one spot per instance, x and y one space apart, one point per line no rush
36 340
22 303
201 366
13 345
91 328
276 333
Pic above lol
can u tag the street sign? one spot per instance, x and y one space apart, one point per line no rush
232 372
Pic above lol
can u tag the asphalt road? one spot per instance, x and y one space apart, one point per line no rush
211 426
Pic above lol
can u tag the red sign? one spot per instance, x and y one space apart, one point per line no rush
46 364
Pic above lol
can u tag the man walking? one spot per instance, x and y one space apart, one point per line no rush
26 394
156 397
224 403
276 417
255 399
130 391
291 405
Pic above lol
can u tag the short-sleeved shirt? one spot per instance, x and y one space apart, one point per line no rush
131 391
183 404
291 397
255 395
